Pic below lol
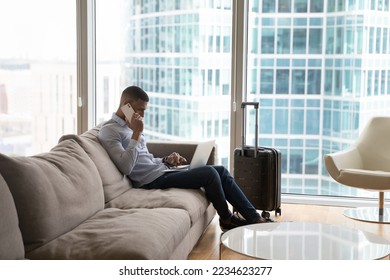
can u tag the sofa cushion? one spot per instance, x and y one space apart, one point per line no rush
121 234
114 182
54 192
193 201
11 245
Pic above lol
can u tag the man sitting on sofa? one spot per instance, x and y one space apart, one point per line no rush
125 143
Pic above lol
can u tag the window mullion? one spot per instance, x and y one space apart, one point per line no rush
239 71
86 73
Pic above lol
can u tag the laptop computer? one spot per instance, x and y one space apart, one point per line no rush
201 155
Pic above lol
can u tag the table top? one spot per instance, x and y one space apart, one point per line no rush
305 241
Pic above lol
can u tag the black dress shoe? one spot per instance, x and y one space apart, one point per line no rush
235 221
262 220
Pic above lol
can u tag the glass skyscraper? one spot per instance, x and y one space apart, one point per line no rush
318 68
179 52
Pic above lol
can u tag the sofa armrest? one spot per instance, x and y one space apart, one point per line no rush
186 149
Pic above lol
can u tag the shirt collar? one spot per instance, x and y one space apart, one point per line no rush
119 120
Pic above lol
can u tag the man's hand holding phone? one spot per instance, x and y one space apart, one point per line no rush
134 120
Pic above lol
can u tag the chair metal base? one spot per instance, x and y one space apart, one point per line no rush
369 214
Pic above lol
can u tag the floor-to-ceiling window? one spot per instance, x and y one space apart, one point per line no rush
179 52
319 69
37 74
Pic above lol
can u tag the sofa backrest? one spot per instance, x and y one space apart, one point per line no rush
54 192
114 182
11 242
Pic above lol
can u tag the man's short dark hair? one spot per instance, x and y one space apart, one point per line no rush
135 93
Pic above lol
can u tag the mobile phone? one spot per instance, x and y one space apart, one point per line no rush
128 111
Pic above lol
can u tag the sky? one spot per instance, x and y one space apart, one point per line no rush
27 30
46 29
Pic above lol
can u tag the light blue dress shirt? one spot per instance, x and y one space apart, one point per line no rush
131 157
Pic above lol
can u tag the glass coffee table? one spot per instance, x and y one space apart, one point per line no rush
302 241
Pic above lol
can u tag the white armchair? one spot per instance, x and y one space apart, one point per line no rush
366 165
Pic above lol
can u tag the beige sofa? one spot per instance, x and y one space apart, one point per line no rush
73 203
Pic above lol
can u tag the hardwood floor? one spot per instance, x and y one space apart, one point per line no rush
208 246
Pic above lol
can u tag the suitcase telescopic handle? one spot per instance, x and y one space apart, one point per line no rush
243 106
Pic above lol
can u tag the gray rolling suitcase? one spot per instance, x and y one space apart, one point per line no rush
257 170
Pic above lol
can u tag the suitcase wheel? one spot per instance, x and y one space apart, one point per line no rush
265 215
278 211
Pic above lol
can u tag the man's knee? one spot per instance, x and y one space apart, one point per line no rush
210 170
210 174
222 171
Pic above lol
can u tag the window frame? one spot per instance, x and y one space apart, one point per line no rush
86 64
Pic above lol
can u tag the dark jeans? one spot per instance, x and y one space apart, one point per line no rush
219 187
